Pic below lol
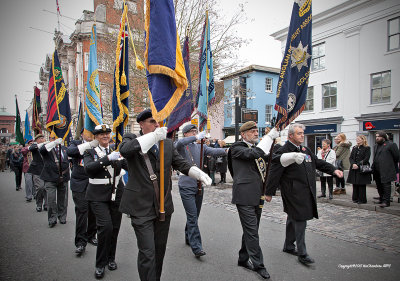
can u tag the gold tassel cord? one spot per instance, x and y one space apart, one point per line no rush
139 64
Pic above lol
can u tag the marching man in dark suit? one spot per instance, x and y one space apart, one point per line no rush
103 166
85 226
293 169
141 196
35 168
55 181
246 162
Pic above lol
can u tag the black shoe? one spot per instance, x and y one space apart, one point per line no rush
52 224
187 242
80 250
263 273
383 205
200 254
359 203
112 265
330 196
63 222
376 198
248 265
29 200
38 209
93 241
378 202
306 259
45 208
99 272
292 252
355 201
321 196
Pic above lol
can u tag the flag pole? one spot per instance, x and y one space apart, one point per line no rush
162 210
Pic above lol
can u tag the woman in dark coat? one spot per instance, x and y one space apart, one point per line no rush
359 156
16 159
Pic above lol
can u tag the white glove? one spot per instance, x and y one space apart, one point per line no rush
266 142
94 143
291 157
148 140
53 144
201 135
113 156
43 143
199 175
87 145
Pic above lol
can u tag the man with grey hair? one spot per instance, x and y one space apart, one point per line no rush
293 169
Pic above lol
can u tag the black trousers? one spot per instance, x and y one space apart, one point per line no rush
359 193
108 221
295 232
384 190
151 236
250 220
18 176
85 226
324 180
340 183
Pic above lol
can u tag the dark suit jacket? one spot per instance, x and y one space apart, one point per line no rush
79 178
297 182
247 183
36 166
50 170
359 156
385 161
139 198
96 168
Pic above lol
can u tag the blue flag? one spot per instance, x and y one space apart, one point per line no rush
120 104
27 134
183 110
93 108
295 68
58 109
166 74
206 91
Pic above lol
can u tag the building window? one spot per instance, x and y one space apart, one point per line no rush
394 34
329 95
128 129
380 87
268 114
318 57
309 99
268 85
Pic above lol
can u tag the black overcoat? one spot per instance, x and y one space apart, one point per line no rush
36 166
96 168
297 182
79 178
51 168
139 198
360 156
385 161
247 182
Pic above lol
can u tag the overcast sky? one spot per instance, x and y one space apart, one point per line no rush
24 49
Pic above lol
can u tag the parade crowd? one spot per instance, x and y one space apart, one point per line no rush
107 182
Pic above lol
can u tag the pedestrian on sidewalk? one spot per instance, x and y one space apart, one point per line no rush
293 168
189 149
16 161
247 165
25 167
342 150
222 163
3 156
328 155
35 168
386 157
360 155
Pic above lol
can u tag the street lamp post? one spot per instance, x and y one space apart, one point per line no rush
237 116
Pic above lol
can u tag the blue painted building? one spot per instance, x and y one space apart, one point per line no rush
255 86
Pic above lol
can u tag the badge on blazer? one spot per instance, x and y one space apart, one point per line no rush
307 158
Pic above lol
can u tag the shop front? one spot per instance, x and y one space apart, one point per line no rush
315 134
390 126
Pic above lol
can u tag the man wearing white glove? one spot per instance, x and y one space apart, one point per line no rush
247 165
56 181
142 192
192 199
293 169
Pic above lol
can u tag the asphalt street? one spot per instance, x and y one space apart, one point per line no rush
347 243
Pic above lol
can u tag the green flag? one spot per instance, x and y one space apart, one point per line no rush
18 134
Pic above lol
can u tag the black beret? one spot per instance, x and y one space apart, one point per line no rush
144 115
188 127
248 126
102 128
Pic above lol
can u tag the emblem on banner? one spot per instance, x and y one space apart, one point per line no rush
300 56
291 102
63 122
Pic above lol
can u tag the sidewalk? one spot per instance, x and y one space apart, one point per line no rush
343 199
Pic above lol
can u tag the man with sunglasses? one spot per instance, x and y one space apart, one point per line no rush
247 165
142 192
192 200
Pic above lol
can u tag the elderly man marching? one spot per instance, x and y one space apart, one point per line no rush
247 165
35 168
142 192
85 225
55 180
192 200
104 192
